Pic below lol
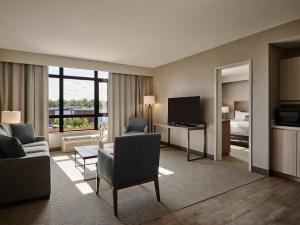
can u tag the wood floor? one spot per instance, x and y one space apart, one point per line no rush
271 201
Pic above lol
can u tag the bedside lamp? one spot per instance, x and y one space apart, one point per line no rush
149 101
11 117
225 111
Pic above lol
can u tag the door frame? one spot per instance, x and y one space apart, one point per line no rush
218 110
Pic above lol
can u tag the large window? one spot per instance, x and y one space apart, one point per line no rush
77 99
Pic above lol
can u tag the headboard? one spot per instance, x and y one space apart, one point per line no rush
242 106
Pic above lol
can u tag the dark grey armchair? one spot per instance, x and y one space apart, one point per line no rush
135 161
137 125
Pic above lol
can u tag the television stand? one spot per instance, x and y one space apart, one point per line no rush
182 125
201 126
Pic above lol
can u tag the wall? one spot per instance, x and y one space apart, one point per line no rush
43 59
290 53
234 91
275 55
194 75
235 77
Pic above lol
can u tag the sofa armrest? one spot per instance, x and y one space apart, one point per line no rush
25 177
126 129
106 165
146 130
40 138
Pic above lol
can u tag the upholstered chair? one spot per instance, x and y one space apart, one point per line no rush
134 161
137 125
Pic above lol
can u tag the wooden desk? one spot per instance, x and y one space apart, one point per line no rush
188 129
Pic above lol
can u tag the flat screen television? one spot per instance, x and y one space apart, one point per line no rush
184 111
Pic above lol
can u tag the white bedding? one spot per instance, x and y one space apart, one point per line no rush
239 127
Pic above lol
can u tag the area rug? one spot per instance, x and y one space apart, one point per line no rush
73 200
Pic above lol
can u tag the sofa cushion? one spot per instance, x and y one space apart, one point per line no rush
11 147
24 132
35 149
6 128
38 143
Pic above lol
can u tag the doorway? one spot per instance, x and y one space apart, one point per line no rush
233 112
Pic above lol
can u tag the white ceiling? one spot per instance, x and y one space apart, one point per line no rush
135 32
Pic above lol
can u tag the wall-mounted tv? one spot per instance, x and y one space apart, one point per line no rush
184 110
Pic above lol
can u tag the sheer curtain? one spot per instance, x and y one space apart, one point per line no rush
24 88
125 99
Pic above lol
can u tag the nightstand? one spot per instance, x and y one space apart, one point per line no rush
225 137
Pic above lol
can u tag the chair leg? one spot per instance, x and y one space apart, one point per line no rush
97 184
156 184
115 199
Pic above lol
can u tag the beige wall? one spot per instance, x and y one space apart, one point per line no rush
275 55
234 91
292 53
194 75
43 59
235 77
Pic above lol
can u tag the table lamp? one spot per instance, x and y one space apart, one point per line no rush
225 111
11 117
149 100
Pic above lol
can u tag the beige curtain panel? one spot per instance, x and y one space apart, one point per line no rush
125 99
25 88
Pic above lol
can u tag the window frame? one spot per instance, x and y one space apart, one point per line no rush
61 77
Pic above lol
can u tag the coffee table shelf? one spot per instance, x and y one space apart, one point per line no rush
89 152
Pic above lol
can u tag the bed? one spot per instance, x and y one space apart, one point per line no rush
239 130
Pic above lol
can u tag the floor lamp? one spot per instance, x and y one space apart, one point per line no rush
149 100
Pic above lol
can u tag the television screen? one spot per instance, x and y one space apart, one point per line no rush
184 110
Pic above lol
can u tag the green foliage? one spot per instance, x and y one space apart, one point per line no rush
55 121
53 103
74 123
77 103
77 123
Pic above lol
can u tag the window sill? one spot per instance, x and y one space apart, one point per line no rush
70 131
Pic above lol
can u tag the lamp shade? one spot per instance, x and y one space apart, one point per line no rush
149 100
225 109
11 117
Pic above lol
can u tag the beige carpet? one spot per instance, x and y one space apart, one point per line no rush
182 183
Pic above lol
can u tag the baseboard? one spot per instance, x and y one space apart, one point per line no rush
290 177
194 152
260 170
55 149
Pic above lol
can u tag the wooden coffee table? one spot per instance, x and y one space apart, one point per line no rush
89 152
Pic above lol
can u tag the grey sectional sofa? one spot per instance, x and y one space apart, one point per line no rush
26 177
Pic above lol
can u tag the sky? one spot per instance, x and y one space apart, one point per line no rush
76 89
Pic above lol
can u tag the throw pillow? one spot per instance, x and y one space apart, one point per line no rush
24 132
11 147
240 116
2 132
6 128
